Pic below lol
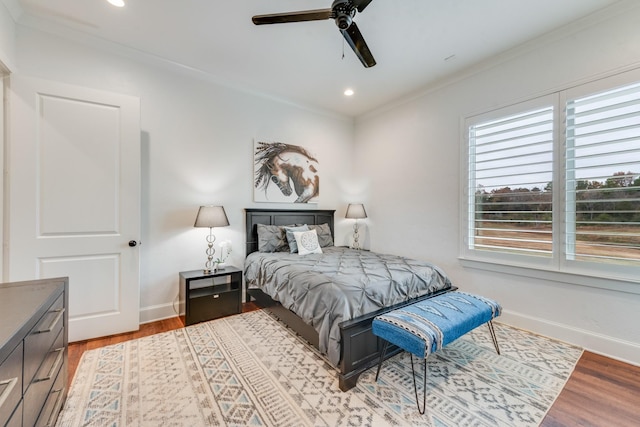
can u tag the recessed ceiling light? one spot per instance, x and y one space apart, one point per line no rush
117 3
349 92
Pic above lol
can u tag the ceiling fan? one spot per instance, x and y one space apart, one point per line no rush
343 12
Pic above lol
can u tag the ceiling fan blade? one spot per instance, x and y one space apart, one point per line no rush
353 36
361 4
283 18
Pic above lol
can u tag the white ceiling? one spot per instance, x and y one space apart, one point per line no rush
302 62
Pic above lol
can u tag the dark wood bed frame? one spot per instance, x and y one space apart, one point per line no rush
359 349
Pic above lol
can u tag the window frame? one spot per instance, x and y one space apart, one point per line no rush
468 217
557 267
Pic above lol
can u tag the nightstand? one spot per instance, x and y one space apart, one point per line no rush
209 296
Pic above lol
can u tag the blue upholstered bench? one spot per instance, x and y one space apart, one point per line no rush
426 326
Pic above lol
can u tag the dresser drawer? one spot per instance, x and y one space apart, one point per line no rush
39 341
10 384
42 382
33 356
53 404
16 419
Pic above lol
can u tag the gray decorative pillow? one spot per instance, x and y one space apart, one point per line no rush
271 238
324 234
293 246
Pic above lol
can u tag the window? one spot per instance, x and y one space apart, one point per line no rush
603 176
510 183
554 182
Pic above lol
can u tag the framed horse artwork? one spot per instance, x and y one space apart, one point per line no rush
291 169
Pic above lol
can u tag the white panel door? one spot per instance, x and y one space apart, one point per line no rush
74 199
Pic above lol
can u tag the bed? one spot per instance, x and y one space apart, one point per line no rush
330 299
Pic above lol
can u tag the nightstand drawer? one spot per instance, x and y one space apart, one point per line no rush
212 306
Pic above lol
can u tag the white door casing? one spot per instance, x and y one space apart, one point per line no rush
74 199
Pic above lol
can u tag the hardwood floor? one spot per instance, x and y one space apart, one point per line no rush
601 392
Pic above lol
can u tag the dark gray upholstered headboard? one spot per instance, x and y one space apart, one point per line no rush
253 217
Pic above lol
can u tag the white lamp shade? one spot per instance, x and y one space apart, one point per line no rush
211 216
356 211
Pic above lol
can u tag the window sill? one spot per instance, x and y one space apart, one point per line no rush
589 279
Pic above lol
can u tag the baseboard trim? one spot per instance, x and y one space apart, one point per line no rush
154 313
624 351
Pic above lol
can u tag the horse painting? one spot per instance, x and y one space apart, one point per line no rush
284 164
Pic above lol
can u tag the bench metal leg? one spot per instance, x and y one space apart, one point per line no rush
493 336
413 373
382 353
424 385
424 369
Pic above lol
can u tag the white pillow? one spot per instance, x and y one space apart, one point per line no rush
307 242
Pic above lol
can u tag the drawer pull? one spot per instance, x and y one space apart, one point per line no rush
56 408
54 367
60 312
10 384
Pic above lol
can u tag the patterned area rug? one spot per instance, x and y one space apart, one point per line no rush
250 370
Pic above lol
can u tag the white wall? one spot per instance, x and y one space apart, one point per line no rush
197 144
7 38
411 156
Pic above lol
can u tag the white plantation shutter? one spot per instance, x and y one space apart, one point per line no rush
553 183
603 176
509 183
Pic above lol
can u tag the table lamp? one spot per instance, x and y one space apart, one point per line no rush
356 211
211 216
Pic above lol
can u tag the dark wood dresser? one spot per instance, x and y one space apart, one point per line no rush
33 351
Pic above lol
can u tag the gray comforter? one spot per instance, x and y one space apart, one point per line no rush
339 284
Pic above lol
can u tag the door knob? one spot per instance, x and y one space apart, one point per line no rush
132 243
